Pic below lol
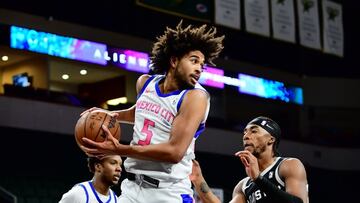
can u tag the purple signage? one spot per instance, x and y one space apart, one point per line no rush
212 77
128 59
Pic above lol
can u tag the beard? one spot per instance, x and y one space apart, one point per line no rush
259 150
181 79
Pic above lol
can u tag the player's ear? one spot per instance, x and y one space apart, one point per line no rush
173 61
271 140
97 166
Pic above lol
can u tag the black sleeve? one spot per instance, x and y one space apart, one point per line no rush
274 193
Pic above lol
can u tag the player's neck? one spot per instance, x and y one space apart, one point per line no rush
265 161
100 187
168 85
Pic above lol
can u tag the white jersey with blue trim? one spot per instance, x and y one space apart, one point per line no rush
85 193
154 115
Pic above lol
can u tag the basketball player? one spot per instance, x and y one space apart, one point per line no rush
107 171
169 114
270 178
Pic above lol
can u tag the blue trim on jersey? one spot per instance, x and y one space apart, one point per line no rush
186 198
180 100
96 195
145 85
115 198
200 129
86 193
176 92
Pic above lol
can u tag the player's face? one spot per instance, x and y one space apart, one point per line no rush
255 139
188 68
111 169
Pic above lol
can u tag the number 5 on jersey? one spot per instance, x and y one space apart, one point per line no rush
145 130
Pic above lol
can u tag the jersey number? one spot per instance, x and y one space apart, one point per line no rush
147 132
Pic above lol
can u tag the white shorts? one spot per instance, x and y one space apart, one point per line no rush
178 192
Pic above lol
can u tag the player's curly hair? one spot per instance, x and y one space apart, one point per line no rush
179 41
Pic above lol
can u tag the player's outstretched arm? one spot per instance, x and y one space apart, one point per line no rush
200 185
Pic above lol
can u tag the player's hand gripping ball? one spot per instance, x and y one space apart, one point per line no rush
89 126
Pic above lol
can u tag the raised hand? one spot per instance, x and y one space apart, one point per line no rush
250 162
196 173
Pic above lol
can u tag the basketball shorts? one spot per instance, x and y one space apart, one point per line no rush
138 192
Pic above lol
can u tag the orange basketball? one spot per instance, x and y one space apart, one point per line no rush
89 126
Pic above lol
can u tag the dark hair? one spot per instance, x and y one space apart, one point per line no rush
272 128
91 163
179 41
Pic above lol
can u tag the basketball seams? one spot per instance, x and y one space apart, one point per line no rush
100 127
92 123
87 116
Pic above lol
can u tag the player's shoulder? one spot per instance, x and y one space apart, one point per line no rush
195 96
143 78
76 194
291 166
142 81
291 161
198 92
199 87
239 186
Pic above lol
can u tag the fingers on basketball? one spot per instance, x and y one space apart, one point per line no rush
90 124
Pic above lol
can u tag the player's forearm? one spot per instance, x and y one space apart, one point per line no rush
204 191
126 115
157 152
274 193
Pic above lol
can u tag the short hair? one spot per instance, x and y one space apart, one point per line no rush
270 126
91 163
179 41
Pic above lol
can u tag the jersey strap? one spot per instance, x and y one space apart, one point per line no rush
145 85
115 198
86 193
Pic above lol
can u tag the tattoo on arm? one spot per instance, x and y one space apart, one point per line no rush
204 187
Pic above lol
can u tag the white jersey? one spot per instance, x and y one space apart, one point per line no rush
85 193
154 115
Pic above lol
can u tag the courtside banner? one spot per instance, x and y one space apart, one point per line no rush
333 34
227 13
309 23
257 17
201 10
283 20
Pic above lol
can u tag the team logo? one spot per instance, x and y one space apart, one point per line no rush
149 91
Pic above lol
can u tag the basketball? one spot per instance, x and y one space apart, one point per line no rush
89 126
